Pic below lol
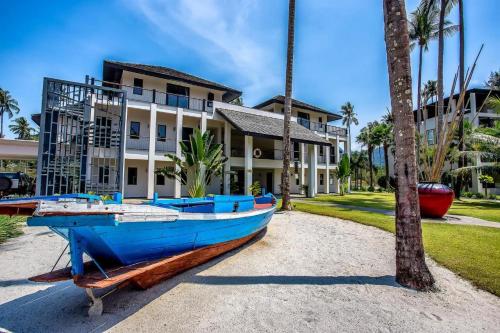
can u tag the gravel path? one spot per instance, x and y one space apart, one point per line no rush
448 219
308 273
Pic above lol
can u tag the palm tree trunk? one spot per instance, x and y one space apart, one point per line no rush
285 176
1 125
370 165
462 161
411 269
419 93
386 162
440 90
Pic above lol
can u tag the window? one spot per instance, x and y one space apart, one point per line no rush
138 84
104 175
135 129
296 150
177 95
297 181
321 150
320 119
162 133
132 176
186 133
210 99
103 132
160 180
303 115
321 176
282 110
430 137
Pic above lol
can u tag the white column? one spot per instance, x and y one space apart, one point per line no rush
302 175
248 163
313 169
203 122
178 152
152 150
327 170
218 138
476 184
337 150
227 153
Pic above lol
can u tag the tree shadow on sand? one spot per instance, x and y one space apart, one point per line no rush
63 306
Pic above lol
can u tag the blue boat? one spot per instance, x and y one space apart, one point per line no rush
143 243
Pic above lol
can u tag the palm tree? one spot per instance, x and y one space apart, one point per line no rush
22 128
494 80
383 133
348 118
237 101
444 9
203 160
462 161
285 176
366 138
8 105
411 269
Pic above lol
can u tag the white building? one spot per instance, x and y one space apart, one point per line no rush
477 113
162 108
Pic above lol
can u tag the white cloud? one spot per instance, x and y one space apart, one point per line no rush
220 32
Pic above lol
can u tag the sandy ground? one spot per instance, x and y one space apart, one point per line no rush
308 273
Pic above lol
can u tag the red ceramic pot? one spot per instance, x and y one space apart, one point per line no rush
435 199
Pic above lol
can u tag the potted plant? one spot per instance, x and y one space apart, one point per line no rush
255 188
486 180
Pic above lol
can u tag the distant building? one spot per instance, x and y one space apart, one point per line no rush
478 113
112 134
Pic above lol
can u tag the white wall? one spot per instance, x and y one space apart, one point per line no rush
141 189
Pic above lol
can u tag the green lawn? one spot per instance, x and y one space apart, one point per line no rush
470 251
483 209
10 227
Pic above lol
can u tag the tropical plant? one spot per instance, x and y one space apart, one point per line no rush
411 269
384 136
359 162
8 105
423 28
237 101
285 175
203 160
22 128
494 80
367 138
255 188
349 117
342 173
486 180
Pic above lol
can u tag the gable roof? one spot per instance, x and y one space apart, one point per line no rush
112 71
280 99
269 127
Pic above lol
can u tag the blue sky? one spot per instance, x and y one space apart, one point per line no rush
339 50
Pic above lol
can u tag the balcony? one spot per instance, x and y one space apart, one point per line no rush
322 128
162 145
267 154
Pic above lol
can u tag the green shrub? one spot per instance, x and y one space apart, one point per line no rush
492 197
371 189
467 194
478 195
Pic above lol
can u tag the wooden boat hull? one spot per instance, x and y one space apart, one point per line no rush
146 274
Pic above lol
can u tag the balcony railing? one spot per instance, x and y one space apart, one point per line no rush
323 128
160 97
165 145
137 142
266 154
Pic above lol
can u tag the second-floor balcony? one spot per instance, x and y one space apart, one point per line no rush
162 145
322 128
163 98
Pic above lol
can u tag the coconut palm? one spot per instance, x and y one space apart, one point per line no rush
8 105
203 160
285 175
411 269
462 161
22 128
494 80
423 28
367 138
359 162
384 136
348 118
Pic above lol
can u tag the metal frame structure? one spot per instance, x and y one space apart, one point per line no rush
81 143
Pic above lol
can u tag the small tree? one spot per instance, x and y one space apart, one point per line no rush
255 188
203 161
486 180
343 172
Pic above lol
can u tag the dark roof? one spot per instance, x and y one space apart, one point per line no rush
280 99
269 127
110 73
